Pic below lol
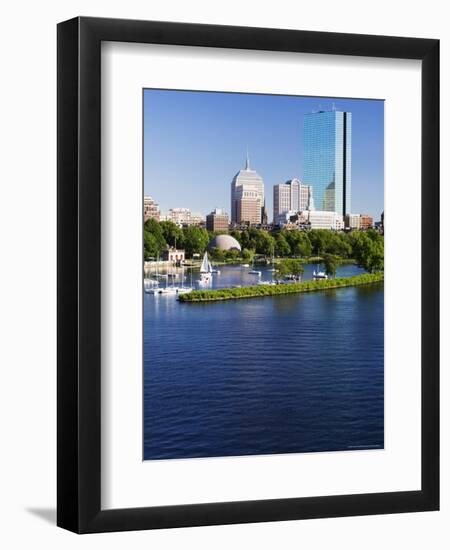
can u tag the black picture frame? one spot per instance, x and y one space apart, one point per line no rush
79 281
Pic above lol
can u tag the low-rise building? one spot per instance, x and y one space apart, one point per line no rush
366 221
217 220
197 219
321 219
184 217
353 221
288 217
151 209
180 216
174 255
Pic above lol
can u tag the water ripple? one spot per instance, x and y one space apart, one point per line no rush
271 375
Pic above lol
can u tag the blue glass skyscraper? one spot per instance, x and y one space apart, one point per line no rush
327 162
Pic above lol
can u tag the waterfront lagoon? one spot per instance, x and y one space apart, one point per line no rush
282 374
234 275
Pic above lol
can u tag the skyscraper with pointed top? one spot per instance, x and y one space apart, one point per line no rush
247 196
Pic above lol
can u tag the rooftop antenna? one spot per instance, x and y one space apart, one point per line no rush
247 161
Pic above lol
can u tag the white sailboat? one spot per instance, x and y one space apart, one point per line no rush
164 291
273 268
151 284
206 271
254 271
319 274
184 289
167 290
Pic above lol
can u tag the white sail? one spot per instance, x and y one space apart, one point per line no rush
206 266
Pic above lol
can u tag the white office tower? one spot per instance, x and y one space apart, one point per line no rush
247 196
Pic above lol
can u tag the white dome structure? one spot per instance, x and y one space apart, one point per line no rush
224 242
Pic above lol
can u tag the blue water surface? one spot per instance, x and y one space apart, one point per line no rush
283 374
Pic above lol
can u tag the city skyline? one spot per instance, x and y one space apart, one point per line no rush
193 141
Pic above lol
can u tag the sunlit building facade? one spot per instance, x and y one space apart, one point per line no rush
366 221
281 201
247 197
291 196
327 162
197 219
353 221
180 216
321 219
151 209
217 220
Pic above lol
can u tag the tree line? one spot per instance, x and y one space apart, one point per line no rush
365 247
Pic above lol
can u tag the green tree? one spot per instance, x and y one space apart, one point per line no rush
249 238
339 245
331 262
320 240
172 234
233 254
217 254
156 243
282 247
247 255
368 250
237 235
299 242
377 260
151 249
195 240
264 243
289 267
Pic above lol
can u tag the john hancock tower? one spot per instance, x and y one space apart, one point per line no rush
327 161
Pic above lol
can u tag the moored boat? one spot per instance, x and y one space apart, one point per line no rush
254 271
166 291
319 275
206 271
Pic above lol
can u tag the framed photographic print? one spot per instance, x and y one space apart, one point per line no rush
242 336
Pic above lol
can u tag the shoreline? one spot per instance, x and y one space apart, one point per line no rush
196 263
258 291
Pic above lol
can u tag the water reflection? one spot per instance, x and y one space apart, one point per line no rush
278 374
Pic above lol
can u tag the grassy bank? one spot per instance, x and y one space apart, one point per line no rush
318 260
268 261
268 290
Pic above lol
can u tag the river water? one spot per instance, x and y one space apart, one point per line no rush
282 374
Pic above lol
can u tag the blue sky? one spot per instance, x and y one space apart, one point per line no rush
195 142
